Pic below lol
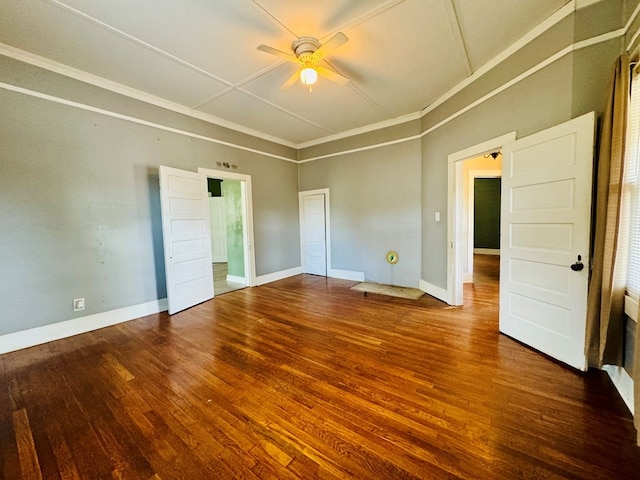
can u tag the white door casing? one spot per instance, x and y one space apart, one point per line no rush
186 236
313 233
218 230
247 217
456 231
546 215
473 174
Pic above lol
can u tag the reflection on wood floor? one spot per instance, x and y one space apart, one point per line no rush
304 378
220 283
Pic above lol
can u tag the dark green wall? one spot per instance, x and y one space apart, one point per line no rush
486 212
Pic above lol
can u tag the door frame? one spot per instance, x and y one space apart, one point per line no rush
327 225
456 239
247 218
473 174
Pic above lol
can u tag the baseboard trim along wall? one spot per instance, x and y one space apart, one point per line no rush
235 279
487 251
346 275
623 383
272 277
435 291
68 328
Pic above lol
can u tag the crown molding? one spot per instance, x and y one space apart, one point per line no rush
360 130
568 9
115 87
139 121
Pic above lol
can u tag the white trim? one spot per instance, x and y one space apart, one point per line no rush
68 328
234 279
362 149
67 71
435 291
487 251
142 43
51 65
347 275
360 130
558 16
247 218
455 205
522 42
458 37
327 224
585 3
631 308
523 76
275 276
623 383
628 26
139 121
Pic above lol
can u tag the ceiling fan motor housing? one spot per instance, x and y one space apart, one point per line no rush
305 47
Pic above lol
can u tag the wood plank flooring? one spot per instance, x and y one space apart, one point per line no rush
305 378
220 283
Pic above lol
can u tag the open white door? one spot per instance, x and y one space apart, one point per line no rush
545 228
187 241
218 230
314 239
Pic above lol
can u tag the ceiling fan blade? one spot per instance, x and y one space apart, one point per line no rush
292 79
334 42
333 76
277 53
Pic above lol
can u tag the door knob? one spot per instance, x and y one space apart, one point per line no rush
576 267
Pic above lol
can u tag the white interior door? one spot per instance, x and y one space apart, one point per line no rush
218 230
545 228
314 240
187 241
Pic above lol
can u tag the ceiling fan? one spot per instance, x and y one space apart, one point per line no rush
307 53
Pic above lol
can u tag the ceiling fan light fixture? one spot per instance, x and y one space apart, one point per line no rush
308 75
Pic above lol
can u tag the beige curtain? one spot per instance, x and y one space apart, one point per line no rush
605 308
636 360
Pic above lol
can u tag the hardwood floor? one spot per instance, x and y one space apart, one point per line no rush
304 378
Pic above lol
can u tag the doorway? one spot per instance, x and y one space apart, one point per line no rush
233 261
482 190
315 232
227 246
460 256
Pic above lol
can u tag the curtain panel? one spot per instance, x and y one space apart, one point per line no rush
605 307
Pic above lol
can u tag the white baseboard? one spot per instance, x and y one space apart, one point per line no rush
234 279
623 383
272 277
487 251
346 275
68 328
435 291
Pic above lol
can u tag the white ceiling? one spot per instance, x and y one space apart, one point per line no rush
201 54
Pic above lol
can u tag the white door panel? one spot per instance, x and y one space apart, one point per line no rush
185 231
218 229
546 214
314 244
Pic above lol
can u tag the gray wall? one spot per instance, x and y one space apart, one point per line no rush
79 199
565 89
375 207
79 204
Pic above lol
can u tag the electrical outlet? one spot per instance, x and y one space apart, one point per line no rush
78 304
